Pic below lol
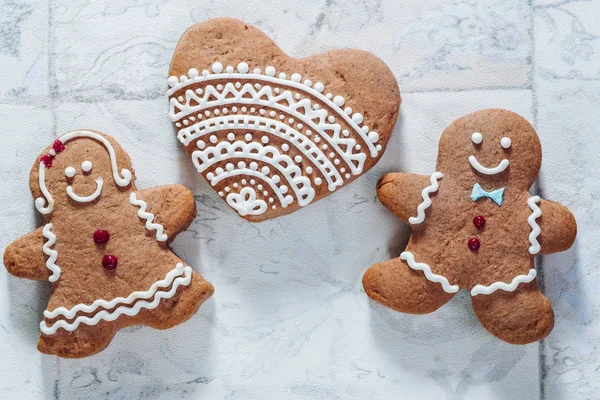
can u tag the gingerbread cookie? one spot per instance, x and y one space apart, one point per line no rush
104 247
475 227
271 133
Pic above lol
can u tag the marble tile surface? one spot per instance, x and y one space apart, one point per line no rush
289 318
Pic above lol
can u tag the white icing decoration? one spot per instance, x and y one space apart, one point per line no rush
203 159
70 172
488 171
86 166
430 276
535 228
86 199
149 217
476 137
179 276
481 289
45 204
246 203
426 199
505 142
52 254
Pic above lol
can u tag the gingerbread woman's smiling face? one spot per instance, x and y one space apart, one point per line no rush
493 147
79 169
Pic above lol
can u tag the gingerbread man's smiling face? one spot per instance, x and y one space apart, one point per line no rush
493 147
80 168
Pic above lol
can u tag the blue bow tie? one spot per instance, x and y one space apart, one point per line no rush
496 195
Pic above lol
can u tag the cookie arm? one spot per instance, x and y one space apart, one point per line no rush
558 227
25 258
401 193
173 207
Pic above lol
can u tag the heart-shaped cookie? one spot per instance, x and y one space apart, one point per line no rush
272 133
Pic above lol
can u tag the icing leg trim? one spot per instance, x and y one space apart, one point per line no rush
426 199
430 276
129 310
535 228
481 289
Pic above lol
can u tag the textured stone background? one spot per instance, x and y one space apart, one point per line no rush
289 319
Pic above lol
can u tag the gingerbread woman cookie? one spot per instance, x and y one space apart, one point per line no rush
271 133
475 227
104 247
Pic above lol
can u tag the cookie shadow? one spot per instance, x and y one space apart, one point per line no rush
448 346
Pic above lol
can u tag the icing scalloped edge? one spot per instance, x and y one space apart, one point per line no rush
149 217
517 280
426 203
535 228
430 276
178 276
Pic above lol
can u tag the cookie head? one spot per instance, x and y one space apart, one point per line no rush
491 146
79 168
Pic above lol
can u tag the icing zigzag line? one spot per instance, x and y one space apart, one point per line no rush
173 277
426 199
535 228
302 109
410 258
481 289
52 254
149 217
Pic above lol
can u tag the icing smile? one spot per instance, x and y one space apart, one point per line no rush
86 199
488 171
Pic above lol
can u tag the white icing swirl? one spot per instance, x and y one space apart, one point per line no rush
426 203
149 217
52 254
507 287
430 276
535 228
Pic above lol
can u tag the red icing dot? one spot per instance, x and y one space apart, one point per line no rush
109 262
47 160
101 236
473 244
58 146
479 221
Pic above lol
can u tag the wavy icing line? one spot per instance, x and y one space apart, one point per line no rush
426 203
307 87
535 228
45 204
302 109
301 185
277 128
517 280
173 277
52 254
149 217
430 276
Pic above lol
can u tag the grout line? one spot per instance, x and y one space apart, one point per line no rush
539 188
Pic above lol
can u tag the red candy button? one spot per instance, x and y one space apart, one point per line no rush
479 221
101 236
109 262
47 160
474 244
58 146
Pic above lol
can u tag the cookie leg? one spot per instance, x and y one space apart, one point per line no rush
182 306
518 317
82 342
395 285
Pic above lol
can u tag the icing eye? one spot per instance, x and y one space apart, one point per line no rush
477 137
86 166
70 172
505 142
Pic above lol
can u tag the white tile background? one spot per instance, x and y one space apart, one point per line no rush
289 319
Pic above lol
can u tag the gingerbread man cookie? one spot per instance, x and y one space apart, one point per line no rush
271 133
475 227
104 247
